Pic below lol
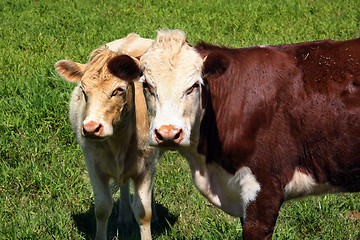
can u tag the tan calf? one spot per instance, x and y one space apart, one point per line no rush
109 118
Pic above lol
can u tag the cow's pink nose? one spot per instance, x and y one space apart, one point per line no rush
168 134
92 129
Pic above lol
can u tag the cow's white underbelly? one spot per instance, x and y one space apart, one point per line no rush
304 184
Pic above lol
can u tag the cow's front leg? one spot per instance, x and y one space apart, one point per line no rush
142 204
125 211
102 200
261 214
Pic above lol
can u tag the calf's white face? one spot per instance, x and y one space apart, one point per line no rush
104 97
172 87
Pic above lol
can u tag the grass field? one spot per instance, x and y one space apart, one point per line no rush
44 189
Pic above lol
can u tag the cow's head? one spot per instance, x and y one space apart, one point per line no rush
172 82
172 86
172 73
105 99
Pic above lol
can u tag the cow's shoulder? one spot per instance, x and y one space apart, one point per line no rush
244 88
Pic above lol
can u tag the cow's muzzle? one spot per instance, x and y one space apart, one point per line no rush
167 136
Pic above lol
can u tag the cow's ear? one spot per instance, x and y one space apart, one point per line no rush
125 67
215 64
70 70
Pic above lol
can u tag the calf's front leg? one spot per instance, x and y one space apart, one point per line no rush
102 199
142 204
125 211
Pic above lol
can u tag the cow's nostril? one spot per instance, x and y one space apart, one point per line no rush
158 135
98 129
177 135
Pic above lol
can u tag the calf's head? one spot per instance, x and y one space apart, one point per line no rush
105 99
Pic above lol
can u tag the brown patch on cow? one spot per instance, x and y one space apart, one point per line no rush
124 67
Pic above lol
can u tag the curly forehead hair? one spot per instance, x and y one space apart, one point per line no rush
170 40
97 65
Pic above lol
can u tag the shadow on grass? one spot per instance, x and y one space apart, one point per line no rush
86 224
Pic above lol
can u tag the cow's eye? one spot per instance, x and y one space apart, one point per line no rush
193 87
83 91
118 91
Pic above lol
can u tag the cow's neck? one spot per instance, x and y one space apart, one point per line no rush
119 144
213 182
124 133
211 179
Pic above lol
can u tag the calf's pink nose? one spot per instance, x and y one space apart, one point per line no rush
92 129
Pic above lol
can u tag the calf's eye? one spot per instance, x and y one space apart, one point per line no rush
118 91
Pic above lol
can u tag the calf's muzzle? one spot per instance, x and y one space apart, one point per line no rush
92 129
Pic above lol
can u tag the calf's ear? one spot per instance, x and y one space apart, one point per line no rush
215 64
70 70
125 67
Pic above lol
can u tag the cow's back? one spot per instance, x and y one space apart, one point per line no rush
328 67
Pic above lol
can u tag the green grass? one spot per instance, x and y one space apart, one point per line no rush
44 189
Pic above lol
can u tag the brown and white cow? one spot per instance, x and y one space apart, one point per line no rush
109 118
258 125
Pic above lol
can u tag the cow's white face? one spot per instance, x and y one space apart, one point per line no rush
105 99
172 87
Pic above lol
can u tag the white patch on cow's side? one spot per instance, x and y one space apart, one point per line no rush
301 184
304 184
247 185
